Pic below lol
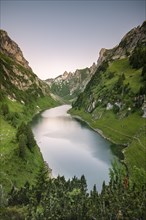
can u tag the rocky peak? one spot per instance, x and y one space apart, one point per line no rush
126 46
93 68
17 75
65 75
11 49
102 56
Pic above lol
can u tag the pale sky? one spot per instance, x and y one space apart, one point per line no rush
57 36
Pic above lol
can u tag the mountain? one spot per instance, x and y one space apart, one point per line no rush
127 45
114 100
18 82
70 85
111 69
22 95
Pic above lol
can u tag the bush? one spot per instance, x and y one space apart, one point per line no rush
116 109
4 109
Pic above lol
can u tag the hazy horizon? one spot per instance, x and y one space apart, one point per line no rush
59 36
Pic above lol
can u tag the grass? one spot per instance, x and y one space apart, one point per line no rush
14 106
136 152
132 76
7 135
46 102
119 67
14 170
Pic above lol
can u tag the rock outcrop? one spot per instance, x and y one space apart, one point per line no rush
11 49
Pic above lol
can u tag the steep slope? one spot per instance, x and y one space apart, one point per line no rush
114 99
22 94
70 85
18 82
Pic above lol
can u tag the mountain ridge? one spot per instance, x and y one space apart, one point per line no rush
70 84
126 45
17 74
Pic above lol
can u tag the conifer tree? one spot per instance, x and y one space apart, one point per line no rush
22 145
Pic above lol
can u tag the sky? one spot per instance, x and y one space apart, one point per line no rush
57 36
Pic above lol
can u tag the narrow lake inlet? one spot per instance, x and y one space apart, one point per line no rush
71 148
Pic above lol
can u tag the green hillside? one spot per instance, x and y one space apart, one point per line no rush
15 170
22 95
113 103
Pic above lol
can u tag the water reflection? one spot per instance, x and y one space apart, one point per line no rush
71 148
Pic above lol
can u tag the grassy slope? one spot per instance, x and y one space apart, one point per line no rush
132 76
14 170
121 130
130 130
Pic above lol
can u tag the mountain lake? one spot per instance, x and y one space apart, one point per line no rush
71 148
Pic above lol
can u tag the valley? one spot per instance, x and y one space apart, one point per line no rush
110 97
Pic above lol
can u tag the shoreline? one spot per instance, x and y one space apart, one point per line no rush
100 132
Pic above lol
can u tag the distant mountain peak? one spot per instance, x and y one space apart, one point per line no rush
69 85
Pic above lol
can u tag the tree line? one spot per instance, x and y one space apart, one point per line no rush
60 199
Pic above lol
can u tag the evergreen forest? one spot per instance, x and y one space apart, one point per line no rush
60 199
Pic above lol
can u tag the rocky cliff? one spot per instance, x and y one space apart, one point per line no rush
17 80
126 46
11 49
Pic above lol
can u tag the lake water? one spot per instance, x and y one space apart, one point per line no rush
71 148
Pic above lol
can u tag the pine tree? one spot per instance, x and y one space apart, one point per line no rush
30 137
22 145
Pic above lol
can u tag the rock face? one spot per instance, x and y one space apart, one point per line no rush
11 49
125 47
18 82
69 85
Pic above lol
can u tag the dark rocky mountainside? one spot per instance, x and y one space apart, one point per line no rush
18 82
